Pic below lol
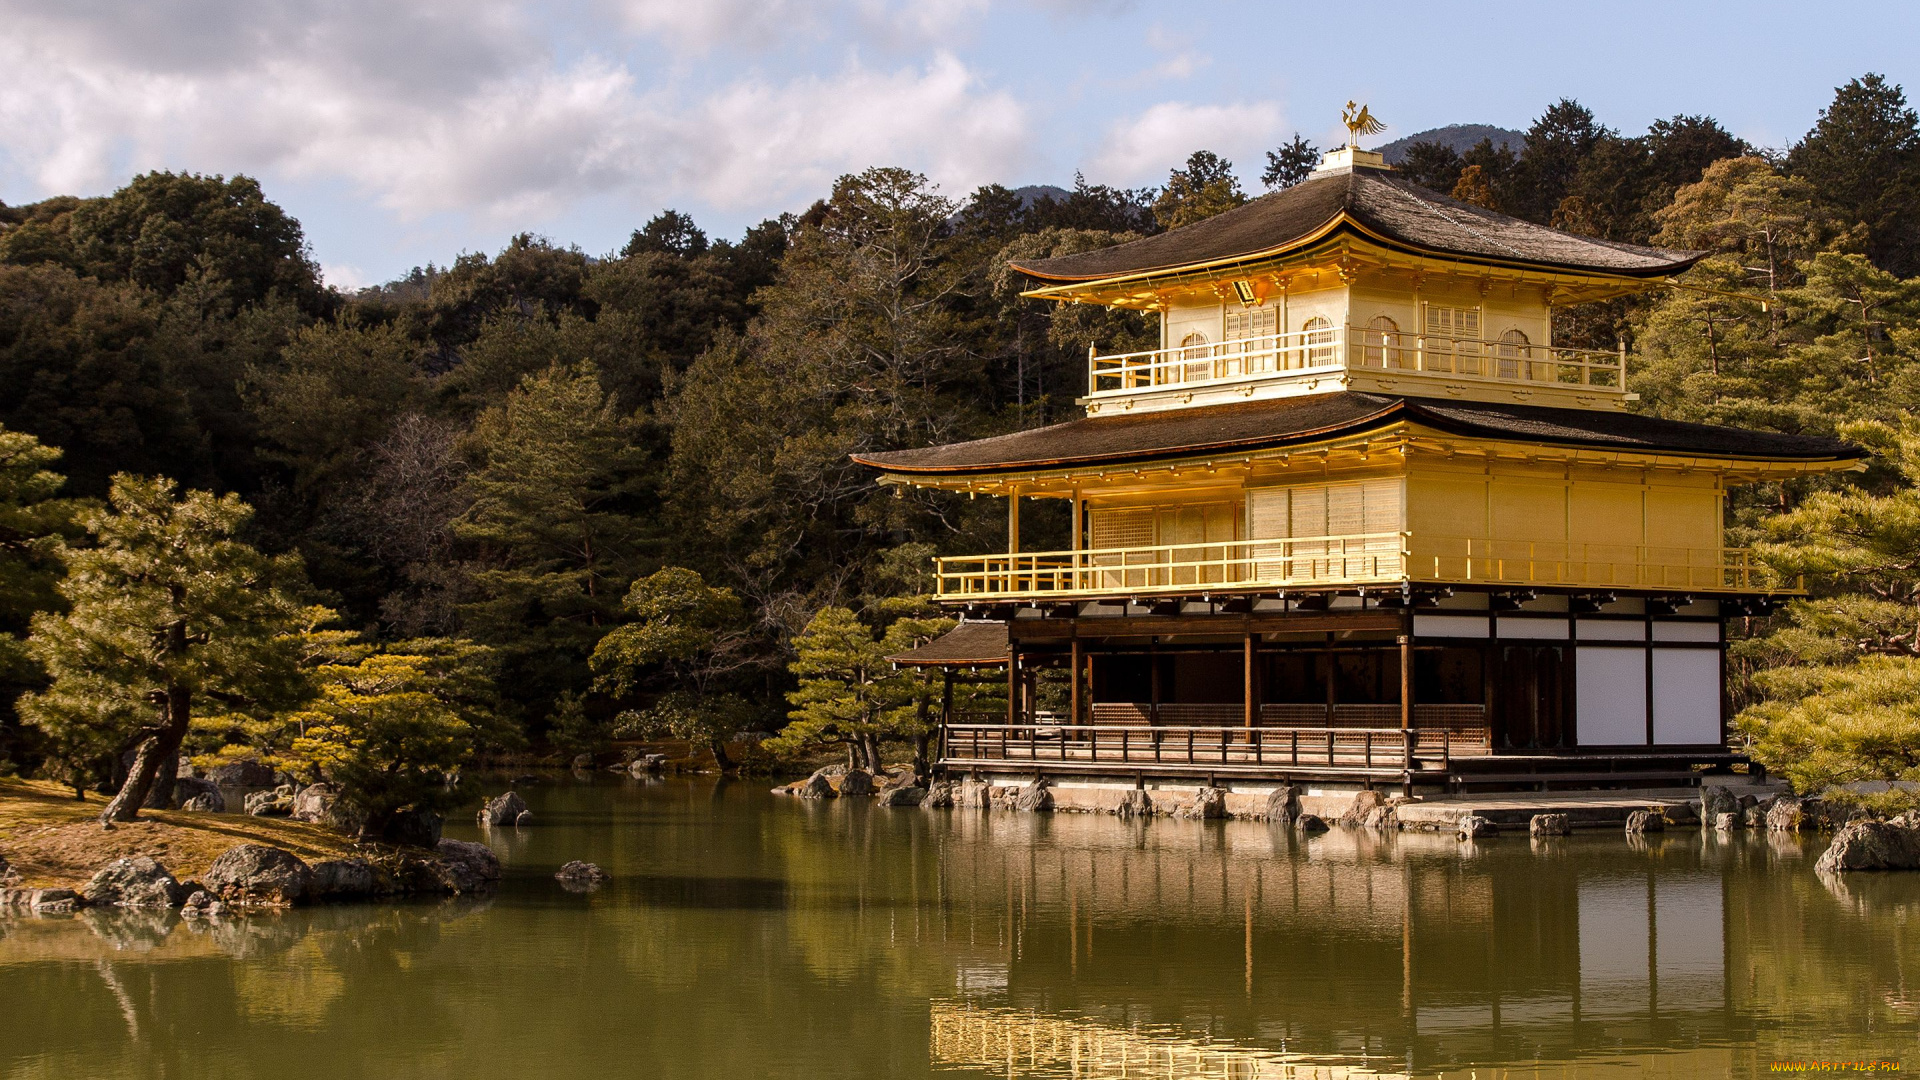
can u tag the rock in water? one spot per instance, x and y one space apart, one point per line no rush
903 796
1475 827
135 882
1207 804
312 802
1355 815
414 828
258 874
502 810
974 795
1726 822
1786 815
1135 803
1550 825
1309 825
1716 800
939 796
525 819
578 876
204 795
857 783
1282 804
815 787
241 774
1645 821
1874 845
338 879
9 877
582 762
1383 818
1034 798
468 868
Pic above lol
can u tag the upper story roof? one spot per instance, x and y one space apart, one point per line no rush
1261 425
1375 203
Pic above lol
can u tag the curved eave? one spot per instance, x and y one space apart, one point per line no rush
1064 286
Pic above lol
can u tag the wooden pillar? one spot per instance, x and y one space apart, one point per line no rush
1013 685
1013 521
1251 700
1153 678
1406 706
946 696
1073 681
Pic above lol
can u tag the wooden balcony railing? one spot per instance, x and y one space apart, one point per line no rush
1311 352
1361 559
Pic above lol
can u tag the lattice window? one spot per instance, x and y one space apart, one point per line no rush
1251 322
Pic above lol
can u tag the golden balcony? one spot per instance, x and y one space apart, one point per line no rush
1321 562
1360 359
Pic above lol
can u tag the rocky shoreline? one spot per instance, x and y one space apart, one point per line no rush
1861 842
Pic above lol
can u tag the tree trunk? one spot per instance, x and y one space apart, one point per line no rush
720 757
160 795
853 753
161 746
922 768
873 754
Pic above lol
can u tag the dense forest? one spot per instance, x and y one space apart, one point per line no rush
530 502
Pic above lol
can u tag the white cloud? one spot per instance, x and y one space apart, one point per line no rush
1146 147
467 112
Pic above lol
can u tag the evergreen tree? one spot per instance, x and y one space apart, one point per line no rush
1863 156
556 489
33 522
1433 165
168 612
848 693
1205 186
1290 164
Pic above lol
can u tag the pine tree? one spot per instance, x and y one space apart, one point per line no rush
1863 156
1204 187
32 523
555 493
168 611
1290 164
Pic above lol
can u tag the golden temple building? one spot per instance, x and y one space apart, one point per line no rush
1357 517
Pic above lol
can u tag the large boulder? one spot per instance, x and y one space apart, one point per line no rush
1034 798
258 874
1726 823
582 762
1716 799
1282 804
1475 827
193 793
468 868
1874 845
1135 803
1550 825
502 810
939 796
903 796
275 803
815 787
250 774
1207 804
311 803
973 795
1645 821
413 828
135 882
340 879
1309 824
1788 814
578 876
856 784
1364 802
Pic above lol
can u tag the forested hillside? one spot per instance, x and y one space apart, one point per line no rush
454 487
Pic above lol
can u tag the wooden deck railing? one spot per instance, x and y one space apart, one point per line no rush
1311 352
1360 559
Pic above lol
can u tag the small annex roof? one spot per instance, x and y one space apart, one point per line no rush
970 644
1371 201
1282 422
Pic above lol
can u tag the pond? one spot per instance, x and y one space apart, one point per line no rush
748 935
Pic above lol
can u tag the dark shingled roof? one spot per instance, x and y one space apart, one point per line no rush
1258 425
1380 202
970 644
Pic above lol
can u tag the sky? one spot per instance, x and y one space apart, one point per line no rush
403 132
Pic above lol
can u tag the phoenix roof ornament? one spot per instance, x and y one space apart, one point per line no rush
1359 122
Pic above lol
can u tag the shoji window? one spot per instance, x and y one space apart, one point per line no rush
1365 515
1452 339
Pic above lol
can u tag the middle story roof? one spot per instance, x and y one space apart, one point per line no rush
1282 422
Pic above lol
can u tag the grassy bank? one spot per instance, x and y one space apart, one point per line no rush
54 840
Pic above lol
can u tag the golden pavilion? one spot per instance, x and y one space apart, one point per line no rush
1357 517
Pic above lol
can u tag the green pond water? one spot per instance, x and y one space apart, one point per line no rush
746 935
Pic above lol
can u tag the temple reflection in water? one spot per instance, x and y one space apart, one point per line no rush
1353 955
